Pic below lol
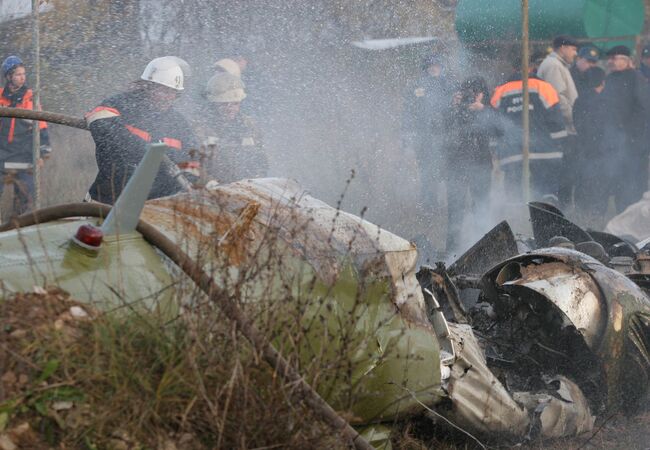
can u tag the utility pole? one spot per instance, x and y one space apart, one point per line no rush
525 113
36 146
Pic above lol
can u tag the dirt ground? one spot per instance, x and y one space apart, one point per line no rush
613 432
27 390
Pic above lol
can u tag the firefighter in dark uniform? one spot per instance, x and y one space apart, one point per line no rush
122 126
16 136
425 103
232 145
548 135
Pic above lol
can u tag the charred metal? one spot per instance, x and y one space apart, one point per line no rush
556 336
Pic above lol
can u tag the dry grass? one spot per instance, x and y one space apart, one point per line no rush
131 382
133 379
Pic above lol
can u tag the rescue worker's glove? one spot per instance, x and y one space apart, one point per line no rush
46 151
211 185
191 170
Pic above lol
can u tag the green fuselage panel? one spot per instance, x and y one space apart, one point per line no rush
372 361
125 272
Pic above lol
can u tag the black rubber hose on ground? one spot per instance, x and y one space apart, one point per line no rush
303 391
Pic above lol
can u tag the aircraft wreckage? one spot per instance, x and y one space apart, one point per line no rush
515 340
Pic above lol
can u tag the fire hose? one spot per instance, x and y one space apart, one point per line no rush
168 166
302 392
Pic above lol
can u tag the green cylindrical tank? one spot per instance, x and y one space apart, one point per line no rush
482 21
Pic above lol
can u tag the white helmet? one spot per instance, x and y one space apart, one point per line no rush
185 67
166 71
228 65
225 88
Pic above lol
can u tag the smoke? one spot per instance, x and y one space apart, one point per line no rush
326 108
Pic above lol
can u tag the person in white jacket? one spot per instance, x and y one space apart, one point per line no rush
556 69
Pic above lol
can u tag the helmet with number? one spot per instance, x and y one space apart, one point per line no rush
10 64
166 71
225 88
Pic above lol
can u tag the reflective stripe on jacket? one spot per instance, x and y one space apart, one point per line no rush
122 127
16 135
547 130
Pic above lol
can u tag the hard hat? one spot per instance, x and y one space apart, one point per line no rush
185 67
228 65
225 88
165 71
10 63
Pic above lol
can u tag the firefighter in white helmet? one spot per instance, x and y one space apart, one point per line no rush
123 125
231 141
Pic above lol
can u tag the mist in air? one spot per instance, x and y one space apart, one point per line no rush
327 109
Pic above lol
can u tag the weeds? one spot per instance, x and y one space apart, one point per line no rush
117 380
314 281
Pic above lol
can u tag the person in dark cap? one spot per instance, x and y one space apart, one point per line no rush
555 69
587 58
589 114
422 127
627 105
564 39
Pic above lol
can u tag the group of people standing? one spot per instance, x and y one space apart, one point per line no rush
588 136
218 143
589 131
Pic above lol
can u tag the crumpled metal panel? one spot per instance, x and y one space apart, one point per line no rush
354 263
548 221
575 293
562 411
637 374
495 246
479 401
481 404
611 334
234 218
